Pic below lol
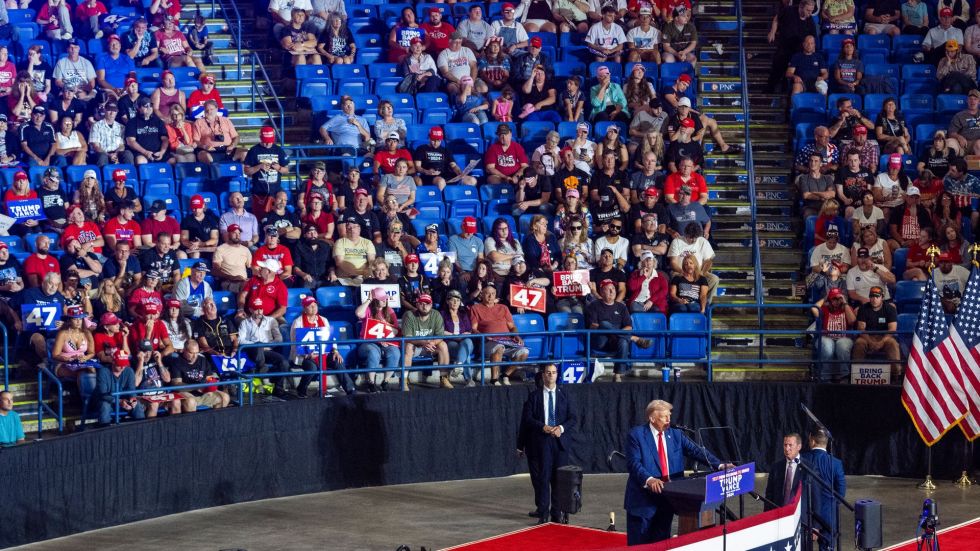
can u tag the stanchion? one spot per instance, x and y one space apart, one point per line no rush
928 485
964 480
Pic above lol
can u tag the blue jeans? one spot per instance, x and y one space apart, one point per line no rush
106 409
617 345
545 115
460 351
56 160
828 350
689 308
372 354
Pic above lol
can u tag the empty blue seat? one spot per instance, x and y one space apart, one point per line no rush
465 207
670 71
431 210
428 194
918 72
225 301
882 70
570 345
650 321
950 103
809 102
569 68
335 297
916 102
536 344
873 102
14 243
535 131
420 223
460 192
431 100
899 261
156 173
909 295
874 43
496 191
688 347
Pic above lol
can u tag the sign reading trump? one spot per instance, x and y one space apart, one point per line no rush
28 209
571 284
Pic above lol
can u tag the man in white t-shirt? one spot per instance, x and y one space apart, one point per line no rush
864 276
75 70
644 39
606 38
692 242
455 62
620 246
830 251
595 8
951 280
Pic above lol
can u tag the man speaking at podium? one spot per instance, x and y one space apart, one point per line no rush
655 456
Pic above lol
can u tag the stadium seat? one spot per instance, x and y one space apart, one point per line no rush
453 193
950 104
908 296
435 210
688 347
225 301
156 173
809 102
335 298
419 224
567 346
906 325
650 321
466 207
428 194
910 103
536 344
14 243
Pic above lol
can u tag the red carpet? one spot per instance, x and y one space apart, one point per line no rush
548 537
962 537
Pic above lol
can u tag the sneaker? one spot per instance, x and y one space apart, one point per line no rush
404 386
505 380
734 148
66 36
617 378
470 383
384 386
496 383
444 382
644 342
456 373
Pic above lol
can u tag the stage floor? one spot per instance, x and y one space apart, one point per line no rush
443 514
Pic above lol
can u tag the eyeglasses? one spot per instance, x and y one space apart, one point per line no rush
576 227
614 227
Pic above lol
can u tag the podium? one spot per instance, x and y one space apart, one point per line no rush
695 499
687 496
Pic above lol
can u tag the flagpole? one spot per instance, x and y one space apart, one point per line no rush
928 485
964 480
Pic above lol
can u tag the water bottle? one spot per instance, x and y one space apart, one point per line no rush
665 372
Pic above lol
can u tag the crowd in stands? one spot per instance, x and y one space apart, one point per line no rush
145 242
887 119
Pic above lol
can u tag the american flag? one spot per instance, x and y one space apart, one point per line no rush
933 390
966 334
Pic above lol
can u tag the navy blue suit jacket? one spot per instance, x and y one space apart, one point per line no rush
531 438
643 462
831 471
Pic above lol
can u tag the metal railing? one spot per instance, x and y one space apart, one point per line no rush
42 374
6 358
749 162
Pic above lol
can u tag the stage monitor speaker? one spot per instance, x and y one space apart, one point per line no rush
867 519
568 488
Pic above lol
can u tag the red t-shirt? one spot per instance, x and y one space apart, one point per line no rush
697 183
142 296
41 266
198 98
8 74
152 227
321 222
88 231
386 160
437 37
280 253
105 342
273 294
123 232
506 162
140 332
84 11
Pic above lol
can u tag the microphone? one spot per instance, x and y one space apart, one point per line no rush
683 428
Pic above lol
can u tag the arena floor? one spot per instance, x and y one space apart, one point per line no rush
442 514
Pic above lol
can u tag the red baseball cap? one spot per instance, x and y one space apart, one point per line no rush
436 133
605 282
21 175
130 80
895 159
115 37
256 302
469 224
207 78
411 258
507 6
434 9
684 78
120 358
173 303
308 300
945 12
835 293
651 192
109 319
425 298
234 227
119 174
4 245
415 40
267 135
358 191
197 202
860 129
151 308
535 41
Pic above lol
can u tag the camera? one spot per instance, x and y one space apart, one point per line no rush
929 520
146 346
218 138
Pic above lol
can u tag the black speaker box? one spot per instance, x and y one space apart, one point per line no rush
867 519
568 488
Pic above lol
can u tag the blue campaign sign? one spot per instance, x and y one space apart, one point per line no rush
729 483
232 364
573 372
40 317
27 209
430 262
312 335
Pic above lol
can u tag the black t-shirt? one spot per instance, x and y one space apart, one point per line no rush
533 193
674 122
596 275
657 238
792 29
216 332
638 211
855 183
601 182
127 106
433 158
570 179
266 182
38 140
280 221
347 192
200 230
194 372
53 202
690 150
111 196
75 107
10 271
152 261
369 222
938 162
111 267
877 320
884 7
605 212
616 314
687 289
639 181
149 134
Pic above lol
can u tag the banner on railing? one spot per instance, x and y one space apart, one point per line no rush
394 294
431 261
232 364
528 298
312 335
571 284
871 374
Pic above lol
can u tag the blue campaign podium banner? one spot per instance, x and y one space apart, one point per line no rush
232 364
312 335
572 372
729 483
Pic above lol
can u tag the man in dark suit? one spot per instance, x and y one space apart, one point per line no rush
655 455
778 490
831 471
546 422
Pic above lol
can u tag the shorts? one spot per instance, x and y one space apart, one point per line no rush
881 28
209 399
419 352
218 155
428 180
510 350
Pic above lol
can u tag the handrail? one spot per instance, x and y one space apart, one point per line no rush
256 62
749 163
6 359
43 373
235 32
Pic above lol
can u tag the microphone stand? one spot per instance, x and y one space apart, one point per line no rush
812 474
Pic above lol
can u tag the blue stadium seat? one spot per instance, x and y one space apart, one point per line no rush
568 346
31 246
294 297
906 325
190 171
156 173
428 194
650 321
688 347
225 301
536 344
910 103
432 100
210 202
14 243
489 192
131 173
867 43
315 88
490 129
335 298
452 193
873 102
74 174
899 261
908 296
184 75
436 210
465 207
883 70
809 102
569 68
670 71
950 103
856 101
833 42
420 223
918 72
437 117
498 207
535 131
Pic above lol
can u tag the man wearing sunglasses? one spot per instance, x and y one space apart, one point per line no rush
613 241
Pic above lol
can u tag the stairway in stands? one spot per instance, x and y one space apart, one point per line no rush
778 227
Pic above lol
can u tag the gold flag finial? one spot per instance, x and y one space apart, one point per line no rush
933 251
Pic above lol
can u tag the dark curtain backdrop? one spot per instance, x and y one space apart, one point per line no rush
142 470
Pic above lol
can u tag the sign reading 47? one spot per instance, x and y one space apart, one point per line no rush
39 317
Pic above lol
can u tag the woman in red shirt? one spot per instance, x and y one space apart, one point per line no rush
200 96
85 231
834 346
318 217
917 265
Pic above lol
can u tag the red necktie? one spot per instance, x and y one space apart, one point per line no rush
663 457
